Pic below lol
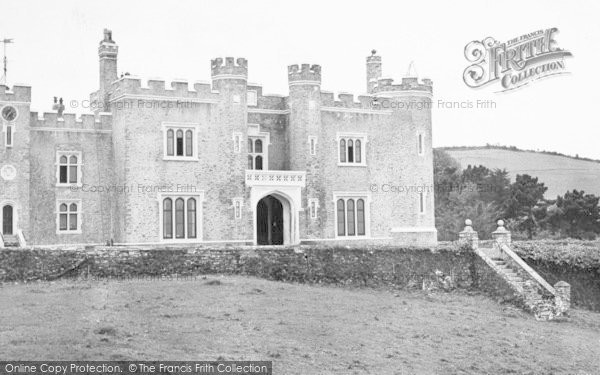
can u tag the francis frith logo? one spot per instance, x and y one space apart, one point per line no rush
514 63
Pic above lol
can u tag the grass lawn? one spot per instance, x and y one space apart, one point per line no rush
303 329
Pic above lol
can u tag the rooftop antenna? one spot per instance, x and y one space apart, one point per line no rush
4 43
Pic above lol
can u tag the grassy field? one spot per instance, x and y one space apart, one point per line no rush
559 173
303 329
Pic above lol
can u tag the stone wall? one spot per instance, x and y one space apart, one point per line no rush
369 266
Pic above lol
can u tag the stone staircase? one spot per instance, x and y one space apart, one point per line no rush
11 241
546 302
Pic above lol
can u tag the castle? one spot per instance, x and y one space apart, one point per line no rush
220 162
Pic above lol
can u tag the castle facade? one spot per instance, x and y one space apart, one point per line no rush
162 163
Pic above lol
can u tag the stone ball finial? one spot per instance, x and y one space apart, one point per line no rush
468 222
500 223
373 52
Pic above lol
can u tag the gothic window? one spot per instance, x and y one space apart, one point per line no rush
351 149
179 142
180 217
69 168
351 216
257 157
69 217
341 217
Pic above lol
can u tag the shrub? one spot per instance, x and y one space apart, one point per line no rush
569 252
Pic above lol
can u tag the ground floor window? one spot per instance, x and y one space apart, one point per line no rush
351 216
69 217
180 217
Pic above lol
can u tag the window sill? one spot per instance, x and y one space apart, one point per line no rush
78 184
68 232
351 164
180 158
353 238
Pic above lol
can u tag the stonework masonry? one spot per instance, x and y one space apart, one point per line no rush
177 162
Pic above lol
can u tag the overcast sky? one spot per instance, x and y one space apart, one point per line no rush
56 42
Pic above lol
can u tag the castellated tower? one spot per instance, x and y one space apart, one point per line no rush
305 111
373 71
304 128
230 78
409 152
107 53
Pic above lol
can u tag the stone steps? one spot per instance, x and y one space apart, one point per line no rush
11 241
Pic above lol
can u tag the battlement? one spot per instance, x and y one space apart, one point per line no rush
346 100
408 84
108 50
373 59
130 85
304 72
19 93
50 120
235 68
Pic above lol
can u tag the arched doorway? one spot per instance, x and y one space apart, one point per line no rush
7 220
272 221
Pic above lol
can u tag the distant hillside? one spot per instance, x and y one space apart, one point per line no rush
559 172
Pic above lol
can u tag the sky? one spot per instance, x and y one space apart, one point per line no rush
55 51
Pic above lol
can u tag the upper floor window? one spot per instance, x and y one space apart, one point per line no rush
179 141
313 207
421 202
180 217
9 114
312 145
68 217
351 216
257 157
69 168
8 140
351 149
252 98
237 142
420 144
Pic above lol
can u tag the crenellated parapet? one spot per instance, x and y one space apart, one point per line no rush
70 121
346 100
304 74
229 68
387 85
130 86
19 93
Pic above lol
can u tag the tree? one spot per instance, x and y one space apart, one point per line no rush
580 214
523 196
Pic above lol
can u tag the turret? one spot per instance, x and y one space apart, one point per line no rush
373 71
107 53
305 111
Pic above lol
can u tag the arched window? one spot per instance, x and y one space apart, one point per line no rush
73 216
179 142
360 217
258 146
342 151
170 142
259 163
250 145
73 169
68 167
350 216
189 144
357 151
341 218
250 166
191 217
350 151
68 217
179 218
167 218
63 218
9 138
